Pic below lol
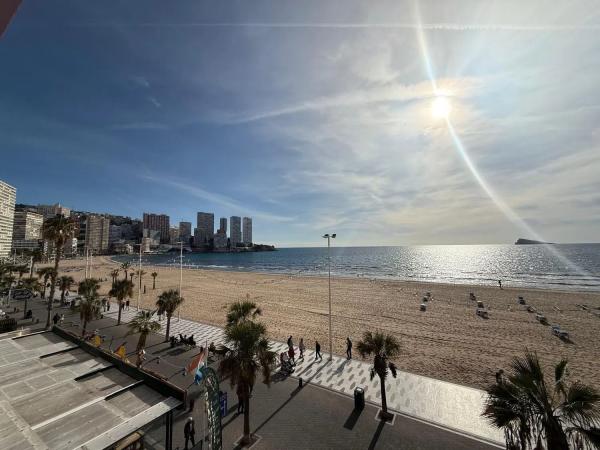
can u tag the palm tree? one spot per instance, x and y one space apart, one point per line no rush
33 285
121 290
140 274
382 347
154 275
22 270
36 256
248 352
44 273
143 323
125 267
89 306
167 303
65 284
57 230
114 274
533 414
242 311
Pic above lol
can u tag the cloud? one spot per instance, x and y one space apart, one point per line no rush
215 198
140 81
148 126
155 102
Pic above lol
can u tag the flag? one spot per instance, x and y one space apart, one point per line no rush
196 362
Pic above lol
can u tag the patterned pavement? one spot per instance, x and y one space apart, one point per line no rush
438 402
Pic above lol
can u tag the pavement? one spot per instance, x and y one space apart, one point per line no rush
320 415
427 399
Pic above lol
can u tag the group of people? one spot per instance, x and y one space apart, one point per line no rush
318 356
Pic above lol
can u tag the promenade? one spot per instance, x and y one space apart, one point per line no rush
448 405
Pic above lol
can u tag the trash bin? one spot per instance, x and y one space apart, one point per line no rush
359 398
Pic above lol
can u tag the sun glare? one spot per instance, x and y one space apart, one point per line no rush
440 108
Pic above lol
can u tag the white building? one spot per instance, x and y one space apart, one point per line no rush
49 211
8 196
247 230
235 230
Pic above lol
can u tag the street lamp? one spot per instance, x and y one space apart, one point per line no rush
329 237
180 276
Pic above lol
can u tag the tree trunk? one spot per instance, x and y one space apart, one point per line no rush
84 328
125 275
120 309
384 411
62 297
154 283
25 309
246 438
53 285
556 438
141 342
168 327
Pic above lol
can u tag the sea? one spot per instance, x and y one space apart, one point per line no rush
559 266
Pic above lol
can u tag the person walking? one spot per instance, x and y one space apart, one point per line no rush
189 432
301 348
348 348
290 342
318 351
56 318
104 304
127 305
500 284
107 306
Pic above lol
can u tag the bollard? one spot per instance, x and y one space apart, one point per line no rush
300 382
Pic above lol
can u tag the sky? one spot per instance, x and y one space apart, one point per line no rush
311 117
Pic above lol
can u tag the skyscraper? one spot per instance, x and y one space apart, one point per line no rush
8 195
235 230
185 231
27 230
223 224
205 228
97 231
247 230
158 222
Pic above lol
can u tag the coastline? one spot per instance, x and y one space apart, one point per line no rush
447 342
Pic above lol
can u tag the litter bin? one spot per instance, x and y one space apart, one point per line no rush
359 398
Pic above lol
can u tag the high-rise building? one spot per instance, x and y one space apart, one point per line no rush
174 235
114 234
97 231
235 230
247 230
27 230
8 195
223 224
49 211
220 240
158 222
205 228
185 231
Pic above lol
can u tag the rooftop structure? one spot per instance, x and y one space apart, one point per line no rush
59 393
49 211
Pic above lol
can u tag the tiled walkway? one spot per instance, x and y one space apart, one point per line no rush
449 405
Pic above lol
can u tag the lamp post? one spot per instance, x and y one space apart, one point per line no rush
140 281
329 237
180 276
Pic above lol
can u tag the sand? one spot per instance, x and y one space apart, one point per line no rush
447 342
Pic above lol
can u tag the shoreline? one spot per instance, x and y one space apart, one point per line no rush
493 282
447 342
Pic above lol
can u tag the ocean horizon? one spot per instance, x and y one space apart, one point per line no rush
572 267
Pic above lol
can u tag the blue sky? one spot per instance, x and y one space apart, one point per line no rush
311 117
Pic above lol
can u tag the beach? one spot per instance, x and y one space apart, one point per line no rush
447 342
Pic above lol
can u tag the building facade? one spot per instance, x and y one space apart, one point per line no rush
49 211
97 232
247 230
235 230
220 240
8 196
114 234
185 231
223 224
174 235
27 230
159 222
205 228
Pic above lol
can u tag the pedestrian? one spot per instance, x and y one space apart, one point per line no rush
318 351
141 357
189 432
107 306
290 343
301 348
62 318
348 348
56 318
127 305
240 406
500 283
291 355
104 304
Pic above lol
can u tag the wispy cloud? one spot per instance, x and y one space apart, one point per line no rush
140 81
155 102
139 126
215 198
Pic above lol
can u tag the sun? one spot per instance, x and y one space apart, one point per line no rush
441 108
